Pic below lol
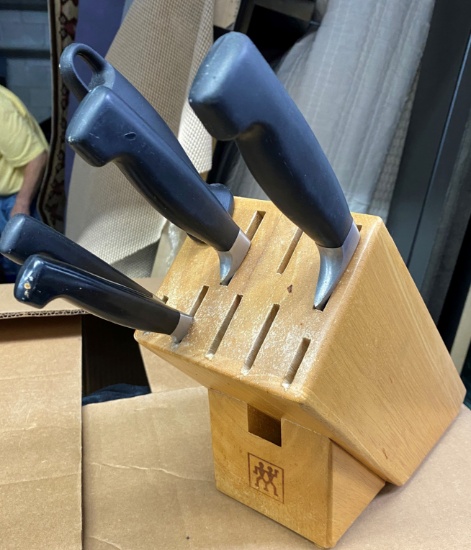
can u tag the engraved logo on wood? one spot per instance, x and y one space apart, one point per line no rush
265 477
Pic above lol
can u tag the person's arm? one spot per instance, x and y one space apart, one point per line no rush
33 173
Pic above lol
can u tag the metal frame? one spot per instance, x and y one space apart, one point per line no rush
441 110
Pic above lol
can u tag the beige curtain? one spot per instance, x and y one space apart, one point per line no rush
353 80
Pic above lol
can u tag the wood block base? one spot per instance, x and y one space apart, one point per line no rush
366 385
293 475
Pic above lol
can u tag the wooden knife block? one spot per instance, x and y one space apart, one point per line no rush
311 411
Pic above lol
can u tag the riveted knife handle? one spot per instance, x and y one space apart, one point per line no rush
24 236
237 96
106 129
103 73
41 280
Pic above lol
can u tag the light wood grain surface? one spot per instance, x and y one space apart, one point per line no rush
375 378
337 401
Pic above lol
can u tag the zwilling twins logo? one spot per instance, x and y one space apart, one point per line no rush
266 477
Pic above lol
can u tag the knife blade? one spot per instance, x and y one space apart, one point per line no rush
106 129
24 236
237 96
41 280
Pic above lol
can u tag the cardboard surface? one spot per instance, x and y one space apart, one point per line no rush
11 308
149 483
40 433
41 424
162 376
148 479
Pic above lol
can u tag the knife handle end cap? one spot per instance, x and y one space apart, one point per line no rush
25 286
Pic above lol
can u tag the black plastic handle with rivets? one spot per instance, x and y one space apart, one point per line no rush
41 280
24 236
238 97
103 73
106 129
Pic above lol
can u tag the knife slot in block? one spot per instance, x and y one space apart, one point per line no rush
260 339
255 223
164 299
297 360
289 252
223 329
199 300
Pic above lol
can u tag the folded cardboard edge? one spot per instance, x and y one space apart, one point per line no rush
10 308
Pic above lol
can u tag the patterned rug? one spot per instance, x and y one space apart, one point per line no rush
52 200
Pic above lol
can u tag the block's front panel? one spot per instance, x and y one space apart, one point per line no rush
285 478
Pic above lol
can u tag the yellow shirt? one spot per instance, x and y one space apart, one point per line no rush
21 140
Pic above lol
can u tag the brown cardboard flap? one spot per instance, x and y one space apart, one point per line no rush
40 433
11 308
148 483
163 376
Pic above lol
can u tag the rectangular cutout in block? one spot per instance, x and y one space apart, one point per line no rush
164 299
255 223
260 339
199 300
264 426
223 328
295 364
289 251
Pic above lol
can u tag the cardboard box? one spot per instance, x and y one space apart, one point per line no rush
41 367
40 426
149 483
148 479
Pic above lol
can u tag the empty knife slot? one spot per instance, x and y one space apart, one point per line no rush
260 339
289 251
296 363
164 299
223 329
199 300
255 223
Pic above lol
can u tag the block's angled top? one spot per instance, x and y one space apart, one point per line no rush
369 371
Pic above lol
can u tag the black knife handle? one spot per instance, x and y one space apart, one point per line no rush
24 236
41 280
237 96
104 129
104 74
